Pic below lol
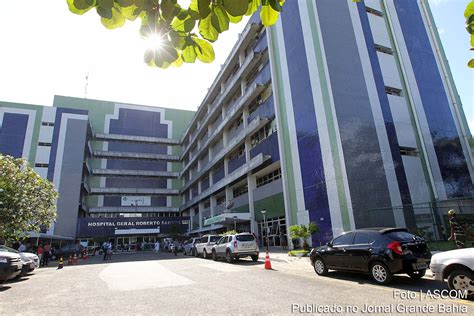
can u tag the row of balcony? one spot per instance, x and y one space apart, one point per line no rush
135 139
134 173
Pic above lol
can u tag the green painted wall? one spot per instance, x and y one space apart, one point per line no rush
241 209
274 205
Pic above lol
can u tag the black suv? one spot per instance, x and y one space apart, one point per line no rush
382 252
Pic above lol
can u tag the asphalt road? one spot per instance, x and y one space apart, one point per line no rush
162 284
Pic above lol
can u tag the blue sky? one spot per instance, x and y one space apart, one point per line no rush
449 18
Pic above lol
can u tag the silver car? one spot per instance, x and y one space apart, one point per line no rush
236 246
190 246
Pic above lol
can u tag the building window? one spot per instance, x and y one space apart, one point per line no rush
240 152
393 91
408 151
240 190
44 144
220 200
41 165
263 133
47 124
373 11
383 49
270 177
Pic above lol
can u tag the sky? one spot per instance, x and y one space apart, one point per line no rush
47 51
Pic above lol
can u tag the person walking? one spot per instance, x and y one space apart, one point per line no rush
157 246
109 250
22 247
458 229
40 252
105 246
46 254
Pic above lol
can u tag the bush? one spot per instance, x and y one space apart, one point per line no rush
294 253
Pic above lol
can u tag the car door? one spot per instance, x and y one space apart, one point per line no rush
336 255
221 247
359 252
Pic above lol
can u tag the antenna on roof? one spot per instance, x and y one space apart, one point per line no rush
85 87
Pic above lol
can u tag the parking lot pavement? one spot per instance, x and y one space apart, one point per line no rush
164 284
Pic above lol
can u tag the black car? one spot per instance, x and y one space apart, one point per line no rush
68 250
381 252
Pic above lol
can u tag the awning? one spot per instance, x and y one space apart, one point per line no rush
205 229
228 218
135 231
47 236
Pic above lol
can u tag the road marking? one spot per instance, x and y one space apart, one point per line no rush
132 276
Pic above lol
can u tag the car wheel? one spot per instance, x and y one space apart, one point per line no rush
228 257
380 273
254 258
204 254
462 280
418 274
320 267
214 255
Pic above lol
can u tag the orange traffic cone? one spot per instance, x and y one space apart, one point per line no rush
268 264
69 261
60 263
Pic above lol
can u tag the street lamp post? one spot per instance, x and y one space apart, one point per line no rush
265 224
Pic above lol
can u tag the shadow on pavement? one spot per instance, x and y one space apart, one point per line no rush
4 288
400 282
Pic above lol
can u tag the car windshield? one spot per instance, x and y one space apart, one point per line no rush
401 236
8 249
214 238
244 237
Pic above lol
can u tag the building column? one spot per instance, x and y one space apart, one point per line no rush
213 202
251 185
201 209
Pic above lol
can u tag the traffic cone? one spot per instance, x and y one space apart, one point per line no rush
268 264
60 263
74 260
69 261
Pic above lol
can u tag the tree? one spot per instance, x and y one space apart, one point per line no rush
27 201
304 232
469 15
174 27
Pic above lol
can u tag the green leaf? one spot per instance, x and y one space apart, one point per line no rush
236 7
108 4
469 9
169 8
275 4
268 15
253 6
219 19
471 63
204 50
116 21
74 9
104 12
178 62
84 4
189 54
206 30
130 13
204 8
234 19
125 3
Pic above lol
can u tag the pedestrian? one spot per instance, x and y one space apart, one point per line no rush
283 242
46 254
109 250
22 247
157 246
105 246
40 252
458 229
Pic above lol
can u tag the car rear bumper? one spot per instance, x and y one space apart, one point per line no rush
242 254
406 265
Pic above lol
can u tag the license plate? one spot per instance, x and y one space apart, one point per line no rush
420 266
246 245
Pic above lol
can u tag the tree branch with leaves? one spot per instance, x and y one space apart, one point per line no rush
184 34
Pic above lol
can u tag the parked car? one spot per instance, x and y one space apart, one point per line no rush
68 250
236 246
27 255
189 246
27 265
204 247
381 252
10 265
457 267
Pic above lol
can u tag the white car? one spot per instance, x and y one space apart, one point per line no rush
236 246
457 266
25 255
